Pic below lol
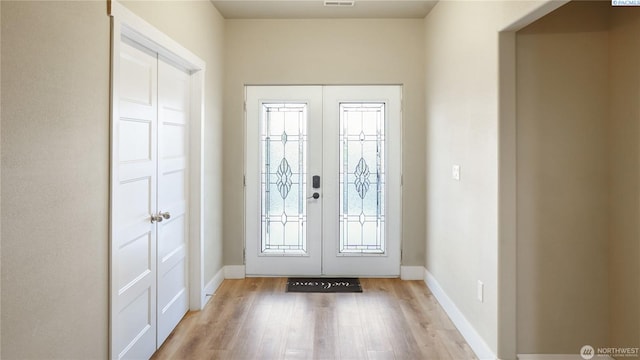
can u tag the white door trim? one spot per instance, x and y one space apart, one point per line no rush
125 23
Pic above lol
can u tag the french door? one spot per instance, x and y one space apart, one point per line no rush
323 180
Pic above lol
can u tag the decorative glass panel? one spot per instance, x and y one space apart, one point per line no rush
362 178
283 140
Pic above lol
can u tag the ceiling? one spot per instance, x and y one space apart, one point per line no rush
315 9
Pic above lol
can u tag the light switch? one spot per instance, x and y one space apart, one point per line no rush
455 172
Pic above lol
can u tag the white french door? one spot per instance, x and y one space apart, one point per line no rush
323 180
149 267
284 152
362 188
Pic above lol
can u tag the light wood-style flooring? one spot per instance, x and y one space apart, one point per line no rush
255 318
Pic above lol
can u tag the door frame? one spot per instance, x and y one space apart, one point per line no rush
124 23
398 203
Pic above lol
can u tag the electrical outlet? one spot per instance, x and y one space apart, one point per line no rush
480 291
455 172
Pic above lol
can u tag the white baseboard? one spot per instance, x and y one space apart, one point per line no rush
477 343
412 272
211 287
234 272
227 272
558 357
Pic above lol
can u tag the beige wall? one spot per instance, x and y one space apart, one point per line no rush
325 52
462 129
462 117
55 167
198 26
55 163
578 180
563 110
624 178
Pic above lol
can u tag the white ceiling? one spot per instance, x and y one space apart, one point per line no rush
315 9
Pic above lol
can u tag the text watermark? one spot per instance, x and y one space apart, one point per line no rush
589 352
625 2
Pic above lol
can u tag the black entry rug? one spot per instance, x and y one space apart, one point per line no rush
324 285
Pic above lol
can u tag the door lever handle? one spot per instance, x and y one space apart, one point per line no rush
314 196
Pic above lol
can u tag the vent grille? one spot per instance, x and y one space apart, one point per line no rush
341 3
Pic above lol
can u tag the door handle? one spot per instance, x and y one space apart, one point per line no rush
166 215
156 218
314 196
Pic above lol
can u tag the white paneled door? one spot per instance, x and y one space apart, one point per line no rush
133 252
149 267
173 181
323 180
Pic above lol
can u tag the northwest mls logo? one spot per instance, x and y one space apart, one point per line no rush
587 352
625 2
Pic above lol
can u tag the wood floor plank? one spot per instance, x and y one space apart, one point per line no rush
325 337
370 308
253 322
297 355
301 327
274 340
380 355
255 318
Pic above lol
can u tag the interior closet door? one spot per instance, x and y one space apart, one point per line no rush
149 262
173 193
134 203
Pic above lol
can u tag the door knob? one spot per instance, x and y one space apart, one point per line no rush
314 196
166 215
156 218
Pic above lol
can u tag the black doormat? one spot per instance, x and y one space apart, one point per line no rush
324 285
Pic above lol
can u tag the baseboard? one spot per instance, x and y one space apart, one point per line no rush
211 288
213 285
412 272
227 272
559 357
234 272
477 343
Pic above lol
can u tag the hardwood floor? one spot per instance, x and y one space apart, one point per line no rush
255 318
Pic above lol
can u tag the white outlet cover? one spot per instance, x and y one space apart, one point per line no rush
455 172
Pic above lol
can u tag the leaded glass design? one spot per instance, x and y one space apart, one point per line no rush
362 178
283 137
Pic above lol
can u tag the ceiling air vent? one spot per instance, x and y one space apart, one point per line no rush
341 3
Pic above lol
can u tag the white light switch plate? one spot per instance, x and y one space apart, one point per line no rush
480 291
455 172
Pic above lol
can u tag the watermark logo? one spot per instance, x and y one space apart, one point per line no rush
625 2
587 352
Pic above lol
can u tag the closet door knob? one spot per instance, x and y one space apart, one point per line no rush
156 218
166 215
